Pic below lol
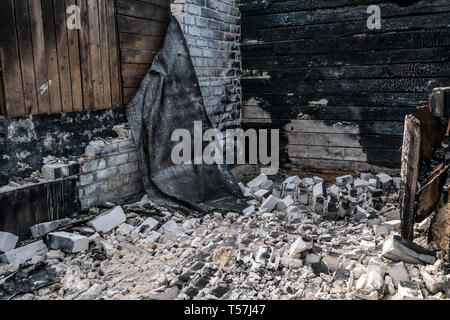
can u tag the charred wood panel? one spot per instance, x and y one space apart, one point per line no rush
39 203
142 26
337 90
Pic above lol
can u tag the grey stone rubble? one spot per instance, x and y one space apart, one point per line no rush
42 229
8 241
265 252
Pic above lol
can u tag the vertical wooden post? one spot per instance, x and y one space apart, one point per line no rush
409 175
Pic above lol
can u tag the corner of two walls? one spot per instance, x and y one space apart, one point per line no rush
212 31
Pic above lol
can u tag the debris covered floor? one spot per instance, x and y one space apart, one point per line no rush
321 241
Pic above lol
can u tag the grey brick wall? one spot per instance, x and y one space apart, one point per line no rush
109 171
212 31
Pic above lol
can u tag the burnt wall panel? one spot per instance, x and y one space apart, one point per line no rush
337 90
25 141
23 208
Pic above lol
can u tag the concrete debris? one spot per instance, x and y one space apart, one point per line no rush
256 183
148 225
398 249
409 290
67 242
269 204
25 253
41 229
279 247
8 241
397 272
108 220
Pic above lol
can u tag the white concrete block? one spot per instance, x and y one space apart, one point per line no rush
8 241
108 220
22 254
67 242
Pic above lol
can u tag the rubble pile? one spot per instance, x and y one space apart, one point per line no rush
298 239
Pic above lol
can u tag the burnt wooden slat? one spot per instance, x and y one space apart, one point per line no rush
140 9
75 64
105 54
86 69
409 175
113 41
9 56
141 26
51 55
63 55
95 53
26 57
40 60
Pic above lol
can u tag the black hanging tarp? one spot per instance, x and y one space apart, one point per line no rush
169 98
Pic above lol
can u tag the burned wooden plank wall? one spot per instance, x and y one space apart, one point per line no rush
338 90
48 67
142 26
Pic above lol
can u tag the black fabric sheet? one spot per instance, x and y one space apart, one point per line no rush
169 98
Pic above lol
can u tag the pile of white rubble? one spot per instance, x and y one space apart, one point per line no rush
298 239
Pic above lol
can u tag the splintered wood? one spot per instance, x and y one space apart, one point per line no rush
409 174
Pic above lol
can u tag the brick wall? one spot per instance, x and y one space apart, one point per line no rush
212 31
109 171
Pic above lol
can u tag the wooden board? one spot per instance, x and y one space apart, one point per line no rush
314 70
141 28
9 53
75 64
63 55
26 57
40 60
46 67
409 175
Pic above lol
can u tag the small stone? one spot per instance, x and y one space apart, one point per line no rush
385 180
398 272
319 268
295 180
311 258
148 225
55 254
302 197
285 203
109 220
249 210
366 294
8 269
380 229
409 290
8 241
67 242
344 180
299 246
366 176
260 194
392 215
393 225
317 198
398 249
41 229
375 282
431 283
22 254
125 229
332 261
269 204
151 238
256 183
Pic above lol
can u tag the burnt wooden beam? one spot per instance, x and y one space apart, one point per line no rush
409 175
